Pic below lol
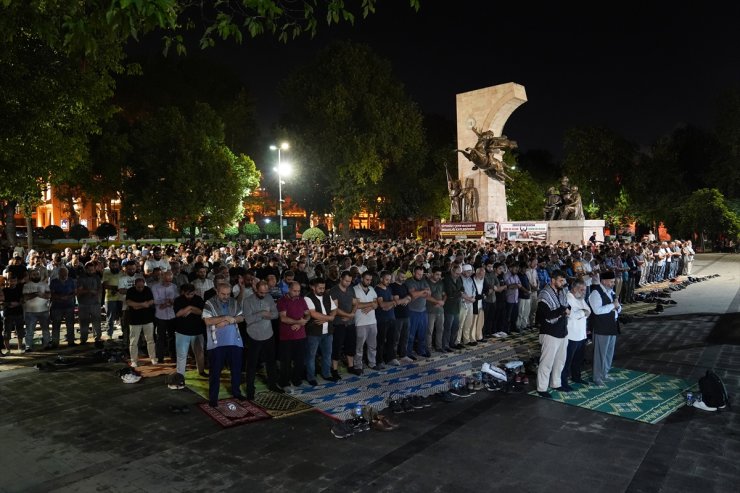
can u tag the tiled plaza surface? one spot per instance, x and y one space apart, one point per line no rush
83 430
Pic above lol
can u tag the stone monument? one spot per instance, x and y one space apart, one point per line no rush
481 116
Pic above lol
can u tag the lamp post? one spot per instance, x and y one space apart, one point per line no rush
281 169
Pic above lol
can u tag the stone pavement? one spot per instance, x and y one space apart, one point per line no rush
82 430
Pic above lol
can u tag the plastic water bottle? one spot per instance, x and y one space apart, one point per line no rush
358 411
689 398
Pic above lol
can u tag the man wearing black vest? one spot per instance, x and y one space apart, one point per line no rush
319 330
552 312
605 309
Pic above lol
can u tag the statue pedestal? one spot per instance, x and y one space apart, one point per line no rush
575 231
492 197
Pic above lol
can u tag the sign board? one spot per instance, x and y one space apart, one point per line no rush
522 231
65 224
461 230
491 231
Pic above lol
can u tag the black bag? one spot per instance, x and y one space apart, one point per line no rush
713 391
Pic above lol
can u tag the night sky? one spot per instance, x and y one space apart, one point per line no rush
640 68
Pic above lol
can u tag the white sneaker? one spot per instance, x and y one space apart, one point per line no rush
155 361
702 406
133 364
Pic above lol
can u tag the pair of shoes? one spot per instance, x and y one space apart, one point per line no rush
382 423
565 388
336 375
580 382
417 402
313 383
545 394
203 373
473 343
341 429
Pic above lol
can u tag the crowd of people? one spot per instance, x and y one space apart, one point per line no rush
303 310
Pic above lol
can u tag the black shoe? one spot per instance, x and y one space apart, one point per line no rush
459 346
545 394
313 383
355 371
336 375
565 388
580 382
407 407
276 389
330 379
240 397
412 357
203 373
396 407
472 343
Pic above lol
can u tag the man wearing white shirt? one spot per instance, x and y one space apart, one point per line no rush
365 322
606 308
579 312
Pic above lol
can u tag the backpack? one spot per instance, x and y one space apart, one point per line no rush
713 391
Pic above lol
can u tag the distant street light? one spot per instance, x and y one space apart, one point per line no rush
282 169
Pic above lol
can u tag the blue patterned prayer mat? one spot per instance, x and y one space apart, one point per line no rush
423 377
634 395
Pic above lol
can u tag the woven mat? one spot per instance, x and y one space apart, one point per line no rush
148 370
280 405
634 395
423 377
231 412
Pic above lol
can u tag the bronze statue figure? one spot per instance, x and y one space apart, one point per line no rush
563 203
456 197
484 155
471 199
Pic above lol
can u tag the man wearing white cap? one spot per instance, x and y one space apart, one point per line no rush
605 308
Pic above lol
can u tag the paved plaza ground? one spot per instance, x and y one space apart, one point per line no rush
84 430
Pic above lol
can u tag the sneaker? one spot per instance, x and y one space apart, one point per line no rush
545 394
412 357
313 383
407 407
335 374
340 429
358 424
27 350
565 388
396 407
394 362
461 392
416 402
133 364
525 379
381 425
155 361
447 397
406 360
330 378
355 371
378 367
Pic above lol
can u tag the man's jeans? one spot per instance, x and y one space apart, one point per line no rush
57 316
324 342
113 311
90 314
182 344
43 319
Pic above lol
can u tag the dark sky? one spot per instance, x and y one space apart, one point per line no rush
640 68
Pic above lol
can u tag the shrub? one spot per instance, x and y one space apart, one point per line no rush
251 230
105 231
78 232
313 234
231 231
53 232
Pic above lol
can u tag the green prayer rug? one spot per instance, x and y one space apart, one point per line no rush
634 395
199 384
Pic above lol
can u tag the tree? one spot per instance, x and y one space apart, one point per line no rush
78 232
352 122
251 230
598 160
105 231
313 234
524 196
706 211
181 171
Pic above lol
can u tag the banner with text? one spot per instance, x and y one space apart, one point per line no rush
523 231
461 230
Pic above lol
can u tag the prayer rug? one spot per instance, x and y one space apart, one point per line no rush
148 370
634 395
280 405
199 384
231 412
423 377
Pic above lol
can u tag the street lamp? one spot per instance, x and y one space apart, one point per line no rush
282 169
